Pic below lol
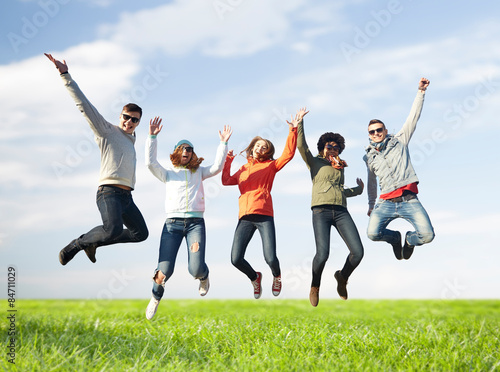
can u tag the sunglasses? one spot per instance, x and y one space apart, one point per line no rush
330 148
128 117
187 148
378 130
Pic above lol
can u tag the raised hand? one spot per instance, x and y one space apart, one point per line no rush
298 117
155 126
226 133
359 181
423 84
62 67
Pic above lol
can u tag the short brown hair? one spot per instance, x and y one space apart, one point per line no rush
376 121
132 107
265 156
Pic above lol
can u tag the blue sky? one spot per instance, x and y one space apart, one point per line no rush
201 65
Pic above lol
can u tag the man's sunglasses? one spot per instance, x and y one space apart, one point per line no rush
128 117
378 130
187 148
330 148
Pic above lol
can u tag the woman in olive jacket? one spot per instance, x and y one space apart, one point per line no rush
329 208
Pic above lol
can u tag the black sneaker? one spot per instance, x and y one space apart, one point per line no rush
407 249
90 252
341 285
68 252
397 248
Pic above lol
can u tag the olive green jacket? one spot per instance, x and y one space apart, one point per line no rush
328 182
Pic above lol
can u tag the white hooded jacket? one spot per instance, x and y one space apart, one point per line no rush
185 196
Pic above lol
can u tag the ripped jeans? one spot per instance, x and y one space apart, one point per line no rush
174 230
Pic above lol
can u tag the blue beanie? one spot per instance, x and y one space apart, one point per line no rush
183 141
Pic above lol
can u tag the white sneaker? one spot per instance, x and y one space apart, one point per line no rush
151 309
204 286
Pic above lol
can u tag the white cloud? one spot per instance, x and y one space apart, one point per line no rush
184 26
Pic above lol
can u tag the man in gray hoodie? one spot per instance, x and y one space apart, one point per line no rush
388 158
116 179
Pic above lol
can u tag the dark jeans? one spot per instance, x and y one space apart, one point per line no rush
117 209
323 217
242 236
174 231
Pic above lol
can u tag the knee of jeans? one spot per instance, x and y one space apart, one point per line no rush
357 257
427 238
373 236
114 231
236 259
321 257
159 277
143 235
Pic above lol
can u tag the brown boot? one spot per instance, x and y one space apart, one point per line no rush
314 296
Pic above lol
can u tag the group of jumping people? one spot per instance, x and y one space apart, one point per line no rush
387 158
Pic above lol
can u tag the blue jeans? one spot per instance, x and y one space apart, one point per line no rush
242 236
411 210
117 209
174 231
323 217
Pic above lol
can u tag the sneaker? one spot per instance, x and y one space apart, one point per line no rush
90 252
407 249
397 247
151 309
314 296
277 285
204 286
67 253
341 285
257 288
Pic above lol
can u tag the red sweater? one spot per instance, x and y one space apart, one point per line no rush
255 179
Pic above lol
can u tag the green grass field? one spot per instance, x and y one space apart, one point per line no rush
250 335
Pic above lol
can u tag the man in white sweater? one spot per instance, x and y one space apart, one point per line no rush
116 179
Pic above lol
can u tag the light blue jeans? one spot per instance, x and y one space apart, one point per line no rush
174 231
411 210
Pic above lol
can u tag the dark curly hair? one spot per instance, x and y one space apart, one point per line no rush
331 137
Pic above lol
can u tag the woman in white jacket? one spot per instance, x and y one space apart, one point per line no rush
184 205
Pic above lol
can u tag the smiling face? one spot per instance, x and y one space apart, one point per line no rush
259 148
377 132
331 150
129 120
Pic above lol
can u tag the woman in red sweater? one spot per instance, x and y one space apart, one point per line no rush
255 181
